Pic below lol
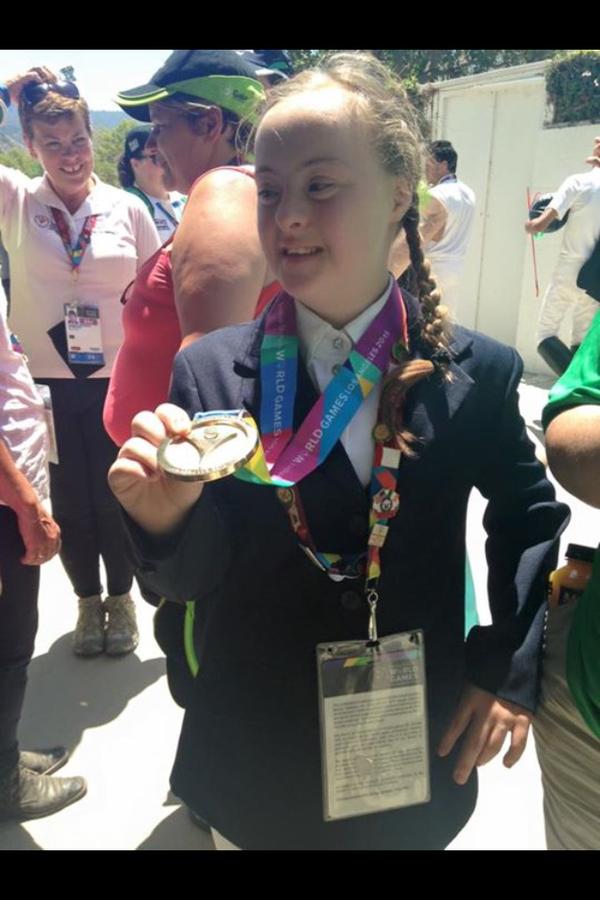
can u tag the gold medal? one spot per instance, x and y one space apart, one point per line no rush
216 446
381 433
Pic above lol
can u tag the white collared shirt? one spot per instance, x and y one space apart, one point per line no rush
41 276
324 349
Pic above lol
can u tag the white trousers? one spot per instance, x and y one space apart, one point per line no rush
560 299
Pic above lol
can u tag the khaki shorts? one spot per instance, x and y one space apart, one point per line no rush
569 754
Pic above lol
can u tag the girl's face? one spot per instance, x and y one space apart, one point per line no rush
327 210
64 149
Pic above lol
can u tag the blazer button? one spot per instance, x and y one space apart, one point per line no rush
358 525
351 600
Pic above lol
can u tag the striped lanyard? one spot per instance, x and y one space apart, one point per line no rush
77 252
284 458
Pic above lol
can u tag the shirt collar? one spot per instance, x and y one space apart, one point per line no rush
450 177
96 201
320 340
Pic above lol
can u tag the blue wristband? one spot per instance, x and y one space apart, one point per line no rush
5 95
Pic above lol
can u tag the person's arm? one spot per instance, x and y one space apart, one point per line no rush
40 533
523 522
218 264
431 228
594 159
534 226
573 448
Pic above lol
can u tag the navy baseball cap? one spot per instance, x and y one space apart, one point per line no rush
219 77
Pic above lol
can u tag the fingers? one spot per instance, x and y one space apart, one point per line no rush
137 459
518 741
455 729
167 421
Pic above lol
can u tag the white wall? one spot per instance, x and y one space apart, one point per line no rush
496 123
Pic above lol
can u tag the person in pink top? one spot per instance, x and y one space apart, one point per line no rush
212 273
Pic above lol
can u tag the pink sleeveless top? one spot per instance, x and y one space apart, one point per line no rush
141 373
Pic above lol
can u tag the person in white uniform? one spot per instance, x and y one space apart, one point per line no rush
74 245
446 224
143 175
578 195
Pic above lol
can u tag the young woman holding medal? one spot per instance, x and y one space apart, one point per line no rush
74 244
343 533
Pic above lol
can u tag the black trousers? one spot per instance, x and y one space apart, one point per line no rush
18 626
82 502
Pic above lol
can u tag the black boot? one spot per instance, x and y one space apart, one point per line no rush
555 353
25 795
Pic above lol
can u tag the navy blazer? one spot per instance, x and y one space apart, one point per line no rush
248 758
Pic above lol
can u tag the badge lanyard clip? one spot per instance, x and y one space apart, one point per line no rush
372 600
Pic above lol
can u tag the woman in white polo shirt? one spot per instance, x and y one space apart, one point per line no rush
74 244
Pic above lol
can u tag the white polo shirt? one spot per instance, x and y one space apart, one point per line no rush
41 274
22 422
580 195
459 202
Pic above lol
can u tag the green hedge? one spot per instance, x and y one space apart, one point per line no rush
573 86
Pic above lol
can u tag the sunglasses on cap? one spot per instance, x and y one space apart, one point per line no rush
33 93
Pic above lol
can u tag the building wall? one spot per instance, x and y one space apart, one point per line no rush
496 122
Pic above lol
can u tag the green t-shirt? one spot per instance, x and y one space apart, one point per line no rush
580 384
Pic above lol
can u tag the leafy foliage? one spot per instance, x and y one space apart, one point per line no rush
573 86
108 146
19 158
424 66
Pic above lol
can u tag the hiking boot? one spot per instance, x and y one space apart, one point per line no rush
26 795
121 631
43 762
89 631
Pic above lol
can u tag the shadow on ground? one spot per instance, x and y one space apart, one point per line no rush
67 694
14 837
177 832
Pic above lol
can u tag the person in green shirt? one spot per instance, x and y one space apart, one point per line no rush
567 725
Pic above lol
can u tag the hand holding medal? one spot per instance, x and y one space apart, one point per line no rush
159 503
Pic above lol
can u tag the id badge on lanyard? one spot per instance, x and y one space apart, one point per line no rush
373 718
84 334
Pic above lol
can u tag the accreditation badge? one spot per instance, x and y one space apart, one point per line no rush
373 718
84 334
218 444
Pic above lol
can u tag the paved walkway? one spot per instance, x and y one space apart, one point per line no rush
119 721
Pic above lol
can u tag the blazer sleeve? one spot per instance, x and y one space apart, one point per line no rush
191 563
523 521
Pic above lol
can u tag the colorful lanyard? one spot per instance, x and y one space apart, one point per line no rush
77 252
294 456
286 458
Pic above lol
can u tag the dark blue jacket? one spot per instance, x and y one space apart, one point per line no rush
248 758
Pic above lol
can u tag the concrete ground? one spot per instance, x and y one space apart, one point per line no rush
120 723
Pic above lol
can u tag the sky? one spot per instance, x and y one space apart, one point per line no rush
100 74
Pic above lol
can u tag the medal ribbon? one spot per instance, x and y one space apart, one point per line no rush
284 458
77 252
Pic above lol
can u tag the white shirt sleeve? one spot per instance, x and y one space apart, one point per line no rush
144 229
566 195
12 185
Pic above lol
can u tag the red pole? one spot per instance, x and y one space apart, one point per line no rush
535 274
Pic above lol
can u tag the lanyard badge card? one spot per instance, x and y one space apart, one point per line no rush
84 334
374 741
